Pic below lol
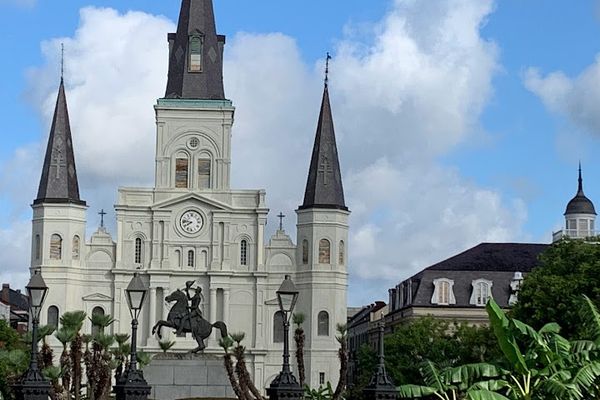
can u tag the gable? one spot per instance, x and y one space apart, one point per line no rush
191 197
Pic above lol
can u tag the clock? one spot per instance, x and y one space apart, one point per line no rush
191 222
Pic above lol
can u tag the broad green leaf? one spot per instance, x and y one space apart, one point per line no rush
485 395
506 341
412 391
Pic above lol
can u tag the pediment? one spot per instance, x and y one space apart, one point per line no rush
194 197
97 297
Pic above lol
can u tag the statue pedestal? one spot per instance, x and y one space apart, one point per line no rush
175 376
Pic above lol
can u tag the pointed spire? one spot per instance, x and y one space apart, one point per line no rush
324 185
580 186
580 204
59 175
196 54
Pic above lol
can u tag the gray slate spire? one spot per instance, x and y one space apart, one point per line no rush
196 39
580 204
59 175
324 185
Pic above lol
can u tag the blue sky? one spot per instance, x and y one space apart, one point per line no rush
457 122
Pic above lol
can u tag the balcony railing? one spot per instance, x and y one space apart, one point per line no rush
574 234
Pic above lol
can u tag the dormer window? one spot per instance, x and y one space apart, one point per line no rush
482 291
195 53
443 293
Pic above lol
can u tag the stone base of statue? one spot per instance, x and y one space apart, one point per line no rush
175 376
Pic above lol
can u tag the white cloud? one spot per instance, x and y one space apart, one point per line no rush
399 102
575 98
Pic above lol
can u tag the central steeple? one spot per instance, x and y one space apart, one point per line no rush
196 54
324 184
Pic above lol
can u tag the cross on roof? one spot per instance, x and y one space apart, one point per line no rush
325 169
58 161
102 214
62 60
281 217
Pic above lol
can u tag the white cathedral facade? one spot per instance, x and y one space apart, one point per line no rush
193 226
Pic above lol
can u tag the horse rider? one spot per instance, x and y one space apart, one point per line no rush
193 310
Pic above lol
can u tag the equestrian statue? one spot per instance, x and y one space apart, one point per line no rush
185 317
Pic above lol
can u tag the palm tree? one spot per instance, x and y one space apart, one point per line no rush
74 321
166 345
226 343
245 380
53 374
342 339
65 336
300 338
46 354
121 352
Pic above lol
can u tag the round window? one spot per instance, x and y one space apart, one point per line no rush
194 143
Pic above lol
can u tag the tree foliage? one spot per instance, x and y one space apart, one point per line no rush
553 291
14 358
444 343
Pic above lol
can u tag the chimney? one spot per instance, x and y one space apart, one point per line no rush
6 293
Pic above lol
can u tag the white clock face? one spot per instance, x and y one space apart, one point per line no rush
191 222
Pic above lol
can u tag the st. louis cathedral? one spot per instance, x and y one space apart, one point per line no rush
192 226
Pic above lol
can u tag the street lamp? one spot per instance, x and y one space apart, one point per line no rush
381 387
285 385
33 385
131 384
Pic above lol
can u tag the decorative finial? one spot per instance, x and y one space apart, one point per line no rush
281 217
102 214
327 69
62 61
580 181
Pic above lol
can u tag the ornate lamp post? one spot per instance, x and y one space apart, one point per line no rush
33 385
381 386
285 385
132 385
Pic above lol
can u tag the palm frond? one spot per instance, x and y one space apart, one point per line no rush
73 320
166 345
485 395
238 337
65 335
298 318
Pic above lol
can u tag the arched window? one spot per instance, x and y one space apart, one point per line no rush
305 252
38 247
204 258
195 53
95 328
324 251
482 291
442 292
177 258
53 316
181 173
204 173
244 252
55 247
138 251
76 247
342 250
278 327
323 324
190 259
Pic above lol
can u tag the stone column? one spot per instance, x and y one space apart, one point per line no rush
151 317
213 313
226 296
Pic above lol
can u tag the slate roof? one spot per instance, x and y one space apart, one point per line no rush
580 204
58 183
496 262
511 257
324 184
196 17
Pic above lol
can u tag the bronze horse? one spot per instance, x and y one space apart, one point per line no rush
183 320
